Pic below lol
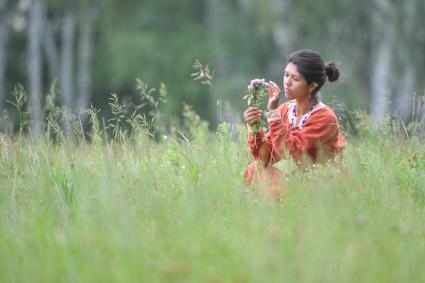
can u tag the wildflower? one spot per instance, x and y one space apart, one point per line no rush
257 89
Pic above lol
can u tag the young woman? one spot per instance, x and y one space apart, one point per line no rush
303 128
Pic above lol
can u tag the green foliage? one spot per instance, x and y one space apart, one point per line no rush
239 39
52 114
202 73
178 210
19 102
194 126
95 134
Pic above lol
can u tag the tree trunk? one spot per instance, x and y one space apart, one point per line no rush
3 60
404 92
85 55
215 12
383 43
281 34
51 51
66 72
405 88
34 65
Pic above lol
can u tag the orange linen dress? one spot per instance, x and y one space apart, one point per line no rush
317 140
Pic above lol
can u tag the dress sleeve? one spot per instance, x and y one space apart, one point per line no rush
321 129
261 145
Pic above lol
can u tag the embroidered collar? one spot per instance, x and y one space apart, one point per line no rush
303 119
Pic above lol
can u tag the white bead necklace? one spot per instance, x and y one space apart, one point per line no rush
305 117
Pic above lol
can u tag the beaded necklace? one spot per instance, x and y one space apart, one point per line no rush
294 111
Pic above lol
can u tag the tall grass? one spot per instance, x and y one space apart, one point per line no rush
132 207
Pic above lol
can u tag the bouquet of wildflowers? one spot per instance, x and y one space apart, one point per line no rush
257 90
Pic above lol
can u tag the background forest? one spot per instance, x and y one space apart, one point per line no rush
122 159
94 48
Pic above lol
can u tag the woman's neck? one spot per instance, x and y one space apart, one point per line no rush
304 105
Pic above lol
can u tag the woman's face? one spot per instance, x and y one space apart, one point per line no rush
295 85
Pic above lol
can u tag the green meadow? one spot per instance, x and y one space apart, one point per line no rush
138 208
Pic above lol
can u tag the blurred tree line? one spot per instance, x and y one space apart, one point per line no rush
94 48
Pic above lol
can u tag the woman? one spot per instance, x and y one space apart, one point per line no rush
303 128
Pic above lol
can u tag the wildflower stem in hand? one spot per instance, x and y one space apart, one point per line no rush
257 90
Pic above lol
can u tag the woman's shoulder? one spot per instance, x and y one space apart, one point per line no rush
323 111
285 106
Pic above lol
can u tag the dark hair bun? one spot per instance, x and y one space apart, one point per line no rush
332 71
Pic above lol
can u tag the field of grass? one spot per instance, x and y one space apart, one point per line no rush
177 210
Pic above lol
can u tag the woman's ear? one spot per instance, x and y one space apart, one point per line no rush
312 87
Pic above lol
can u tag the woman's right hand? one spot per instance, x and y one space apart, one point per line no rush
252 115
274 96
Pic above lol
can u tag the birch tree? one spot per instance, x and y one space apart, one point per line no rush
35 64
51 50
85 51
215 15
281 32
3 41
67 56
383 40
405 87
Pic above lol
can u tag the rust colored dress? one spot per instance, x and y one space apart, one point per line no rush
315 139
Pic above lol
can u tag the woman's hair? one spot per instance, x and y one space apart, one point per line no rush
312 67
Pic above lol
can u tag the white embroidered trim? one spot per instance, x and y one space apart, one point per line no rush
273 115
291 106
249 128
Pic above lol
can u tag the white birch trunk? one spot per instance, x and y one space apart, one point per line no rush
215 11
383 43
34 65
405 88
50 50
281 35
85 56
405 91
67 56
214 16
3 60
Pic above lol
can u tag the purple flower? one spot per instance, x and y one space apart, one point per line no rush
256 83
257 90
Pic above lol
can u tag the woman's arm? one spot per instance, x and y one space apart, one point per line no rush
264 146
261 144
321 130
